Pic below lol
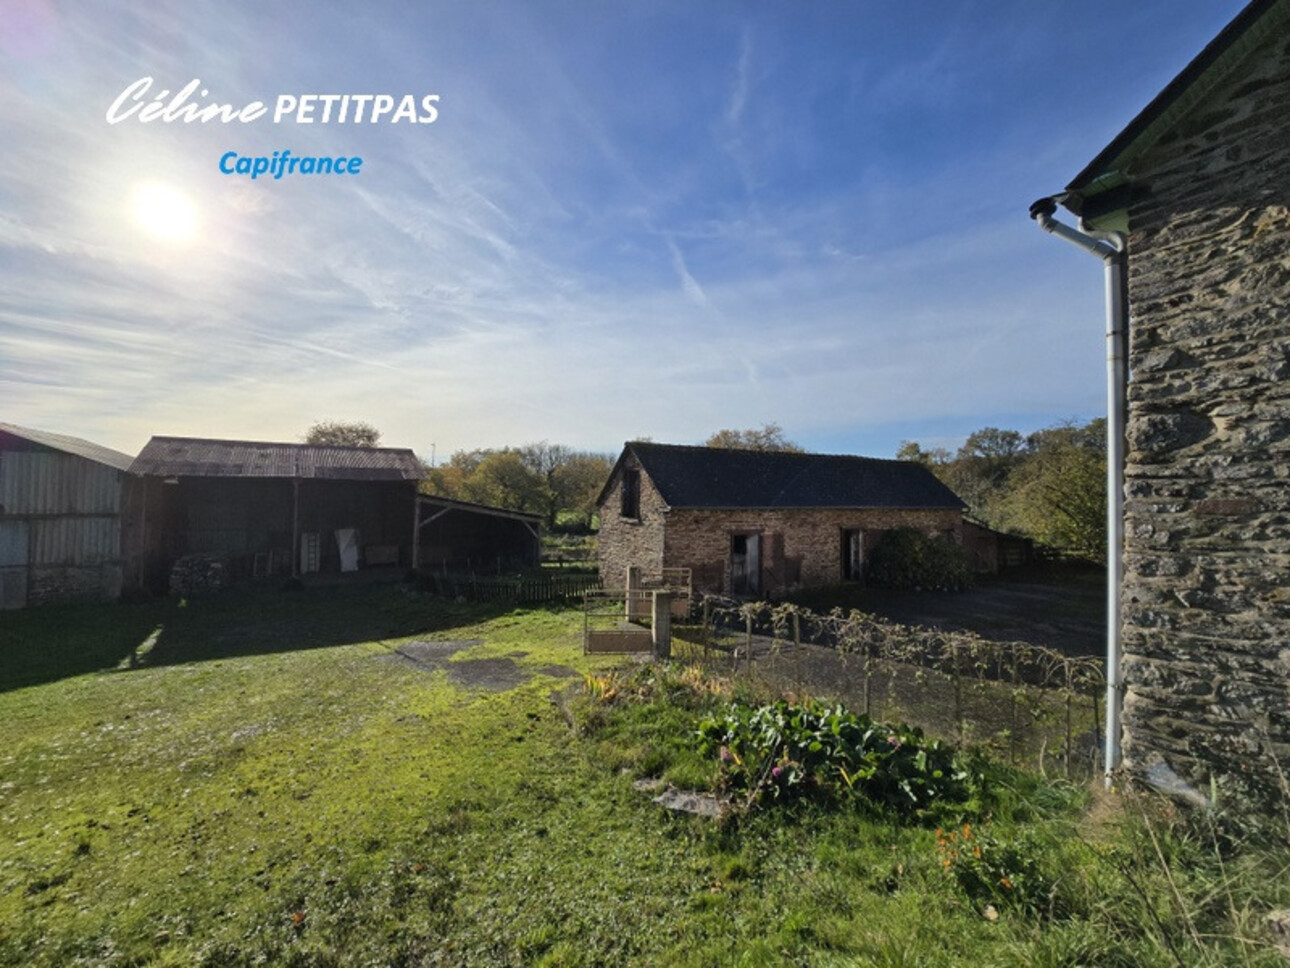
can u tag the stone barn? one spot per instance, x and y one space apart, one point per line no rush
273 509
753 523
1199 185
62 504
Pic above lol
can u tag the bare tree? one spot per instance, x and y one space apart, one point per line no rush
769 437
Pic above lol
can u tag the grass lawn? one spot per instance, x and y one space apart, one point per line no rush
364 775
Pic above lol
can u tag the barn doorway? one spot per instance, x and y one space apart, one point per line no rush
745 564
852 555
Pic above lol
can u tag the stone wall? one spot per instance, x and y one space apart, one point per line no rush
630 541
63 584
802 546
1207 593
798 546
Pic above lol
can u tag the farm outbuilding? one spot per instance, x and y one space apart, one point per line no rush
461 536
63 501
276 509
1194 194
757 522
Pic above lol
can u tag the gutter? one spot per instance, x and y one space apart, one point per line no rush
1112 250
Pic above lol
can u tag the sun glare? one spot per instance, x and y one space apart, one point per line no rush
166 213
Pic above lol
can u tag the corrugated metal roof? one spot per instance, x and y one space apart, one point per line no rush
71 445
452 504
41 482
712 477
197 457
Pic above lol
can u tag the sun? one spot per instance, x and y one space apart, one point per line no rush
165 212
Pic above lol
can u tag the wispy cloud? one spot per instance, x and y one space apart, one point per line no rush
692 289
648 220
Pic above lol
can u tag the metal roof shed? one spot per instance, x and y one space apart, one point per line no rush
277 508
63 501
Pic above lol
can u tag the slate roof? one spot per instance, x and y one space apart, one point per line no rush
71 445
196 457
710 477
1259 19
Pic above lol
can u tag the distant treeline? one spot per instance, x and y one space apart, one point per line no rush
548 479
1049 485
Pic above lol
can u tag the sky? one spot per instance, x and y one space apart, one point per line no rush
625 220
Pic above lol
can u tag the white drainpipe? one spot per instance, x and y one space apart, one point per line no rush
1111 250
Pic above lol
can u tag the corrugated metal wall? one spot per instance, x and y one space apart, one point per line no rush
75 541
67 510
44 483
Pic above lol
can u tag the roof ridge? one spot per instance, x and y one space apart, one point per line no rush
796 454
68 444
269 443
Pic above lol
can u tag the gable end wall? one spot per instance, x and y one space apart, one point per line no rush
1207 593
627 541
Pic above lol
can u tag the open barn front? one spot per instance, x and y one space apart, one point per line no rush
227 511
264 528
458 536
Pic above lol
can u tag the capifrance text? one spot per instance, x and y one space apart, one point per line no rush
285 163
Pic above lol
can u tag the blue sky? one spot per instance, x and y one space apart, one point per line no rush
629 219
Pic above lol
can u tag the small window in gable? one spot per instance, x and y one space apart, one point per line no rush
631 493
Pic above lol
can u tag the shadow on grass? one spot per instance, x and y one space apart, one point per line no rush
41 645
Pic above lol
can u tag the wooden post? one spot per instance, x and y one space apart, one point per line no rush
295 527
661 624
633 585
416 526
707 626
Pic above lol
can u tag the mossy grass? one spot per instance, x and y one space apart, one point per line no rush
271 782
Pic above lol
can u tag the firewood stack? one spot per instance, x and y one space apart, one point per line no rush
197 574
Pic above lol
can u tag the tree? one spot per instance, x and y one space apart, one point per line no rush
572 480
931 458
503 479
343 434
1049 485
769 437
578 481
992 453
1058 495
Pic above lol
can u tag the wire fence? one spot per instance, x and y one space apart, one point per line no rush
542 590
1035 705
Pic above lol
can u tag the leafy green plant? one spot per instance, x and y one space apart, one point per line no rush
908 559
790 751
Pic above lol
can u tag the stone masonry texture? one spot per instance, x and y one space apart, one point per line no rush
799 546
1207 531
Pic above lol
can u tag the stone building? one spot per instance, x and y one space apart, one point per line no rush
1199 183
756 522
